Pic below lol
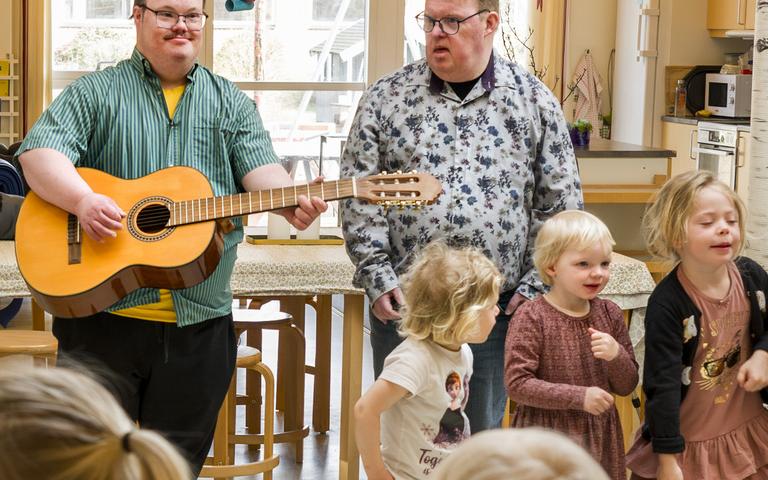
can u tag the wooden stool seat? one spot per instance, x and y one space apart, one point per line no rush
291 373
27 342
247 356
222 464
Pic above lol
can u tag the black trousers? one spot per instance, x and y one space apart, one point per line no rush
167 378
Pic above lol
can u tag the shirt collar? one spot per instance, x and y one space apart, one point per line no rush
487 79
143 66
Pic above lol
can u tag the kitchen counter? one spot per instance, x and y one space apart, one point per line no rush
742 123
602 148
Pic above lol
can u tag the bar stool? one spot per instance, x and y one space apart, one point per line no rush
222 464
291 372
321 370
41 345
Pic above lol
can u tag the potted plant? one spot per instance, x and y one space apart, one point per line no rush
579 131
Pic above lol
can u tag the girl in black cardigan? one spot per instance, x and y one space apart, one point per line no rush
706 358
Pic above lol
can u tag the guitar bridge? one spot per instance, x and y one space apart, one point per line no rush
74 245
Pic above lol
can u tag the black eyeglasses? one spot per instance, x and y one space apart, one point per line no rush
714 368
449 25
166 19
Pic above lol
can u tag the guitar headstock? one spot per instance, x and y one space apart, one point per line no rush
400 189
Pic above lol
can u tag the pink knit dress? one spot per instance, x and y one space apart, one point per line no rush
549 365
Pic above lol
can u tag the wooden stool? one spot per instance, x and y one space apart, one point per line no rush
291 372
321 370
222 464
40 345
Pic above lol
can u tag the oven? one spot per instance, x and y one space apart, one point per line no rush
717 150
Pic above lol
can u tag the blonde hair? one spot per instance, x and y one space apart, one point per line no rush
446 290
665 223
59 424
519 453
570 229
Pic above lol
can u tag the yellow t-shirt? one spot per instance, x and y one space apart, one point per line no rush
161 311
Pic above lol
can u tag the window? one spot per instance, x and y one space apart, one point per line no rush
326 10
108 8
305 76
88 35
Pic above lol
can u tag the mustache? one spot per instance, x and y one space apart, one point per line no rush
173 35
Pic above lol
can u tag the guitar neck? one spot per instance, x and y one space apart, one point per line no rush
226 206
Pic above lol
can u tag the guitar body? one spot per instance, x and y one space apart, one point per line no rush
71 275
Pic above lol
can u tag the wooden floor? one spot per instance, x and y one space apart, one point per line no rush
321 451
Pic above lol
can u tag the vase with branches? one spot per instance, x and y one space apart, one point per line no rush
521 45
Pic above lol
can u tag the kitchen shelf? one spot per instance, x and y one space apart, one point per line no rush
9 101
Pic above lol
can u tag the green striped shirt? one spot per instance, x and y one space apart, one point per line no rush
116 120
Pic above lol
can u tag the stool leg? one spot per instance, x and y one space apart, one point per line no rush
231 401
269 414
321 410
293 418
220 437
293 305
253 387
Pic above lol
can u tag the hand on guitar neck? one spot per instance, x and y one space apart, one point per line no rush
307 211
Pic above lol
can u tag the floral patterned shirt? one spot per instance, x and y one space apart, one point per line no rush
503 156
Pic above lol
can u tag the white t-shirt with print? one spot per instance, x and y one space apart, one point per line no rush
420 430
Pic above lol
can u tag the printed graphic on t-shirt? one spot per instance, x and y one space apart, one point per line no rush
453 425
718 369
452 428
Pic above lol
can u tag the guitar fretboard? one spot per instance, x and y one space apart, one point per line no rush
225 206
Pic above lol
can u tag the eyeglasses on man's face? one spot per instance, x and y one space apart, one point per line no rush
165 19
449 25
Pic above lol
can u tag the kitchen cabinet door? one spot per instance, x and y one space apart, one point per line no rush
723 15
679 137
749 24
743 153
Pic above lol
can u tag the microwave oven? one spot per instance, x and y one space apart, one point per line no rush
727 95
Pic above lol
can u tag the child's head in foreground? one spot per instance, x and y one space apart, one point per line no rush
450 295
519 454
60 424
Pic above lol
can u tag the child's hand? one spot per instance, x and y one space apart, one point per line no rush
668 468
753 374
604 346
597 400
382 474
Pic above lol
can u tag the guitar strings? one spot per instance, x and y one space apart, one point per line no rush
210 210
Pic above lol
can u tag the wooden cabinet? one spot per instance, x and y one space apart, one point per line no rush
743 152
681 138
724 15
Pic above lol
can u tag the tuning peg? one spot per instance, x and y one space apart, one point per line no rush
414 172
399 172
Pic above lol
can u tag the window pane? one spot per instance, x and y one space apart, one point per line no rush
297 120
326 10
108 8
80 43
514 14
289 47
297 134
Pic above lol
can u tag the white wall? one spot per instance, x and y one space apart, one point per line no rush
591 25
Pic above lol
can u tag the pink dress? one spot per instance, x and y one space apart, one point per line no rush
724 426
549 365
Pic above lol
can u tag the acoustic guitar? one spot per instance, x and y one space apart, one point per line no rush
170 237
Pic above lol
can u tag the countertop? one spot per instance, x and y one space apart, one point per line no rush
742 123
602 148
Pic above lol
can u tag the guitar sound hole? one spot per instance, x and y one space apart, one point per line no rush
153 218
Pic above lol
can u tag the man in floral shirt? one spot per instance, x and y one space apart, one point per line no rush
496 139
